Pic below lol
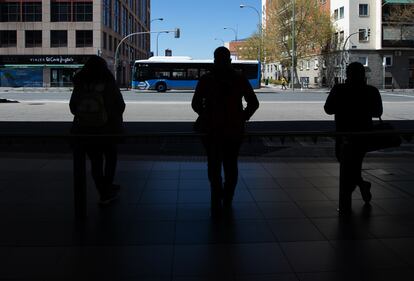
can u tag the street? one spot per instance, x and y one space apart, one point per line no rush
275 105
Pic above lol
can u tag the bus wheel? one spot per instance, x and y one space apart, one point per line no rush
161 87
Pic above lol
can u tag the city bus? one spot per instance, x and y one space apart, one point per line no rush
182 73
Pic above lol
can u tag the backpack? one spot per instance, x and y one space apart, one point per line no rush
91 111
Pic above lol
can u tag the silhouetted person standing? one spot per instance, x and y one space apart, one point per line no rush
97 105
354 104
218 102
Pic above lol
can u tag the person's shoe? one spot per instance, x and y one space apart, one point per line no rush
365 188
108 197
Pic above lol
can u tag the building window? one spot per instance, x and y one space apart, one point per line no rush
387 60
316 66
124 21
82 11
104 38
341 37
58 38
8 38
336 14
363 10
110 42
33 38
388 81
61 11
341 12
144 8
130 26
32 11
116 16
84 38
363 60
107 13
9 12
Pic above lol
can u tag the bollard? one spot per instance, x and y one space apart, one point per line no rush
79 182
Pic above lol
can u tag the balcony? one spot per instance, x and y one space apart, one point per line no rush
397 35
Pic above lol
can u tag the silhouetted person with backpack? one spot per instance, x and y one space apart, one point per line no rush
354 104
218 102
97 105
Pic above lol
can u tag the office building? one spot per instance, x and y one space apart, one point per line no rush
43 43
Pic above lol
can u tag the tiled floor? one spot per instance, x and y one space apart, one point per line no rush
284 224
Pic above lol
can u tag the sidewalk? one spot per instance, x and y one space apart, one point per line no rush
284 225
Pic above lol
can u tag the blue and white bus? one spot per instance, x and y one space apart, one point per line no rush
182 73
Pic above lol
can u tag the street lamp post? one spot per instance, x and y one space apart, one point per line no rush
160 19
343 60
176 32
235 38
260 28
156 19
234 30
158 35
219 39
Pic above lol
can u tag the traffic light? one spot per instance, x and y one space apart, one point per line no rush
177 33
368 32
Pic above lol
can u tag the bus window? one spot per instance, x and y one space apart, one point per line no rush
161 74
251 70
203 71
192 73
238 69
178 74
248 70
142 73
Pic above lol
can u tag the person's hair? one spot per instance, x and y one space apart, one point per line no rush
222 56
355 72
95 69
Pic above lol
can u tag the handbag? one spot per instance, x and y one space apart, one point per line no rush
385 136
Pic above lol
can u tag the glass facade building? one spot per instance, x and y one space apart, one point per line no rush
63 34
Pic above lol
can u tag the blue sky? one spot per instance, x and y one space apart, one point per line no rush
201 21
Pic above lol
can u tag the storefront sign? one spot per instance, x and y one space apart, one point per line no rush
53 60
44 59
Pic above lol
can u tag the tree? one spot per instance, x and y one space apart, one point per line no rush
313 31
403 13
399 19
250 48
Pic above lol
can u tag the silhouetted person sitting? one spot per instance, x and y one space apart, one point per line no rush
218 102
97 105
354 104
